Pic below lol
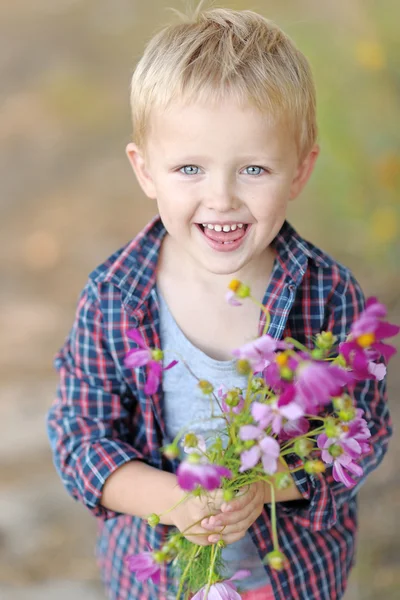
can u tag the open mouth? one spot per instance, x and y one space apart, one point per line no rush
224 234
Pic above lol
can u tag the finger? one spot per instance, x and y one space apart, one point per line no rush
235 528
223 520
198 537
228 538
231 518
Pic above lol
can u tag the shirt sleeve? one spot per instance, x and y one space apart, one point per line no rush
89 424
323 495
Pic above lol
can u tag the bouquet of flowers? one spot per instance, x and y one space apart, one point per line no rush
297 401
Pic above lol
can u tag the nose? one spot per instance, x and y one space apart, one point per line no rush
221 195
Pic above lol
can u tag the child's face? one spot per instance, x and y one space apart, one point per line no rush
220 166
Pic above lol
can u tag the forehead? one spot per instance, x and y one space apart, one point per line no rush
222 126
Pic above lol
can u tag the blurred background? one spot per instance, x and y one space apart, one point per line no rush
69 199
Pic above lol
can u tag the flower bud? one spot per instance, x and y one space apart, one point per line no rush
314 466
159 556
243 366
232 398
175 541
318 354
205 386
257 383
303 447
153 520
241 290
283 481
276 560
325 340
228 495
340 361
157 354
191 440
171 451
332 430
221 544
347 414
344 407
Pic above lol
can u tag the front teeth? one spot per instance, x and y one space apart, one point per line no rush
225 228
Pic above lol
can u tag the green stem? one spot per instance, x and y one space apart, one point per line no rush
185 497
211 571
266 313
185 572
273 519
297 344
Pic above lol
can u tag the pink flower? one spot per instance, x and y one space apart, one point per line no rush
346 447
138 357
144 566
279 410
317 382
266 448
260 352
364 344
231 298
198 472
223 590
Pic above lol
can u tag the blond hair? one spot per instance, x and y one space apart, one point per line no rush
218 52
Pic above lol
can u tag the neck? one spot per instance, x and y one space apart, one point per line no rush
255 274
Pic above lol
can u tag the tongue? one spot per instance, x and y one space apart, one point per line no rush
222 236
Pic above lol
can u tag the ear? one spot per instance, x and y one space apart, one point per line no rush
138 163
303 172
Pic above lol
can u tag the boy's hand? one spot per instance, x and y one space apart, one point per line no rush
193 510
237 516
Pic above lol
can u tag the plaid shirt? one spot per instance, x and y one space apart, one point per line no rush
101 417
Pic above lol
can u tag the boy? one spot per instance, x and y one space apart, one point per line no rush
223 110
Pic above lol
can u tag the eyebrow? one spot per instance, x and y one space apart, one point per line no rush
250 159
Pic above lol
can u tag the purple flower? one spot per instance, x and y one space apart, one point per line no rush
198 472
138 357
317 382
358 429
364 343
266 448
343 450
223 590
277 411
144 566
294 428
260 352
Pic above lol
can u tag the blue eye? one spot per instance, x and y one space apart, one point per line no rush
254 170
189 170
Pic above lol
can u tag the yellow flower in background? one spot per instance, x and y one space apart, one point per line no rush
385 224
388 169
370 55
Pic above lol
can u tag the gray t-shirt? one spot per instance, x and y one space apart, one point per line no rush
186 406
